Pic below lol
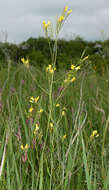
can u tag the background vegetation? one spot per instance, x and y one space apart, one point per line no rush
62 153
69 52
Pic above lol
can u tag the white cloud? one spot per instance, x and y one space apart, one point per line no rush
23 18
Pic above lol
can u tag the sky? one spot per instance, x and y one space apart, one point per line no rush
22 19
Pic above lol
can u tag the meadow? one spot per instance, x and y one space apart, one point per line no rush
54 125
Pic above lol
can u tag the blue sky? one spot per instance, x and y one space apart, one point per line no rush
22 19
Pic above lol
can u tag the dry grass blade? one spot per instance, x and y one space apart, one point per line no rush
3 157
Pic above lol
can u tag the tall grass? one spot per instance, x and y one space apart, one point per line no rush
59 148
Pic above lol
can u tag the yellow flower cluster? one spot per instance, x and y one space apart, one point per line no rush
25 62
65 8
25 148
50 69
64 15
34 100
46 25
74 67
94 134
69 79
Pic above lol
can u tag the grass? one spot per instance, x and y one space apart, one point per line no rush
52 146
53 160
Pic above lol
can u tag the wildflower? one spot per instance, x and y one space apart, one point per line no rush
25 148
65 8
77 68
33 100
94 134
46 25
37 127
30 110
36 99
73 79
64 137
63 113
50 69
69 12
61 18
51 124
25 62
57 105
41 110
72 67
49 22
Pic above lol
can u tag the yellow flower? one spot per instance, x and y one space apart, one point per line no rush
30 110
64 137
94 134
43 22
24 147
37 127
49 22
63 113
73 79
36 99
51 124
46 25
77 68
41 110
57 105
33 100
50 69
69 12
25 62
61 18
65 8
72 67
